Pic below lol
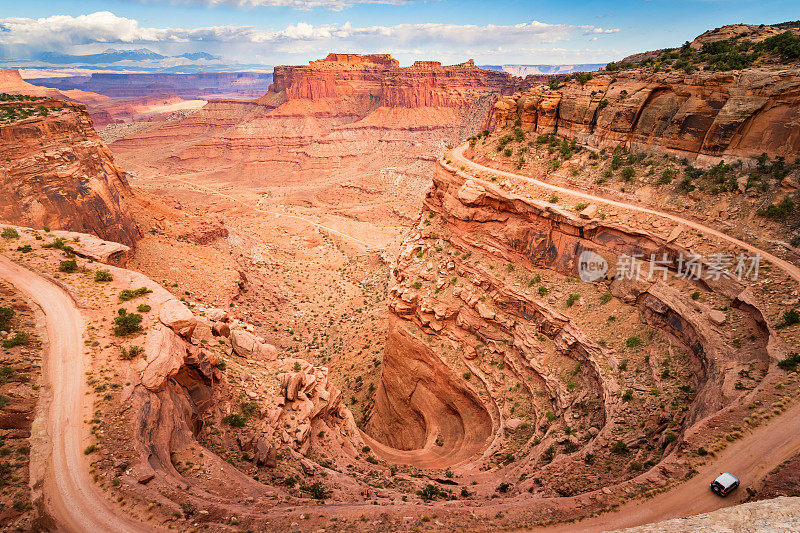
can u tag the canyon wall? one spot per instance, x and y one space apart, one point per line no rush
496 347
706 116
353 135
380 80
55 171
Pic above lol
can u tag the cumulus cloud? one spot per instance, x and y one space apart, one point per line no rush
72 34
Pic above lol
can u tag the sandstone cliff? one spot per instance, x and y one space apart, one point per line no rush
55 171
704 116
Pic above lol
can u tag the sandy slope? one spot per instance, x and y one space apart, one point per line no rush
71 499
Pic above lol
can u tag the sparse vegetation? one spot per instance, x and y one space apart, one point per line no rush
103 275
126 323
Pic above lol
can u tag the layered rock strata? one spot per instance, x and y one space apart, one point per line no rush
704 116
56 172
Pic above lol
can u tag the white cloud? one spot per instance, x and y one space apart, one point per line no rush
23 36
334 5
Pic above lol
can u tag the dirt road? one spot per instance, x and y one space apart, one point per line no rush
750 458
457 155
71 499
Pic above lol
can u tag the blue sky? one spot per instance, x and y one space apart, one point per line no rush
293 31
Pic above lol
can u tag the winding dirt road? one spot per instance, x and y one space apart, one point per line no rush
751 458
71 499
457 155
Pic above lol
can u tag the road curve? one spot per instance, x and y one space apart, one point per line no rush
751 458
71 499
457 154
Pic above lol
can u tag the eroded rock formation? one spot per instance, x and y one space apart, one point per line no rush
55 171
704 116
485 360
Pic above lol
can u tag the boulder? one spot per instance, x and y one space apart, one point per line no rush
717 317
143 473
165 353
217 315
175 315
221 329
588 212
247 345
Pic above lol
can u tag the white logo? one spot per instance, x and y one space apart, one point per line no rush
591 266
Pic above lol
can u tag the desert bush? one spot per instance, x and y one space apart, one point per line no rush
432 492
790 363
25 249
633 342
543 290
68 266
235 420
572 298
131 353
6 314
316 490
619 448
126 323
627 396
144 308
628 173
21 338
128 294
9 233
103 275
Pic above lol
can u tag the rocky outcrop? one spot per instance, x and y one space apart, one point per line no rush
57 172
704 116
380 80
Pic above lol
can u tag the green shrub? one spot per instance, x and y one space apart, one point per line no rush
778 211
696 295
790 363
131 353
606 297
502 488
68 266
128 294
103 276
90 449
144 308
235 420
25 249
543 290
126 323
553 199
633 342
6 314
619 448
791 317
627 396
20 339
316 490
572 298
9 233
628 173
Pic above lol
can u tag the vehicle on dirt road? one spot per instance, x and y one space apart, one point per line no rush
725 484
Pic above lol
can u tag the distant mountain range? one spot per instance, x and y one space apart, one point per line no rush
112 55
525 70
146 60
